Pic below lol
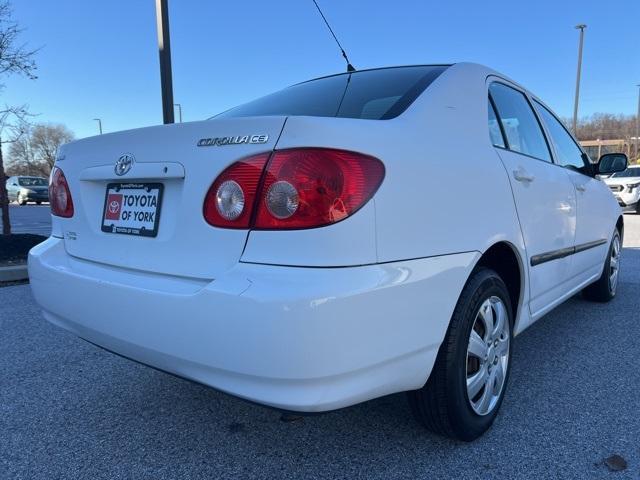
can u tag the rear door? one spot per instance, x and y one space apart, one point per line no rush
544 195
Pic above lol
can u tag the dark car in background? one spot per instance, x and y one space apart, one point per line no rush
25 189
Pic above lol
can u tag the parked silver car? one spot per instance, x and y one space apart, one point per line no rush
23 189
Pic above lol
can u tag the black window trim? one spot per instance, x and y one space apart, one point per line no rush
506 83
446 65
505 140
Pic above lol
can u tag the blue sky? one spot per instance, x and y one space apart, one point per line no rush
99 58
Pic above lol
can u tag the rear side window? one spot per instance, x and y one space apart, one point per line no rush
371 94
519 123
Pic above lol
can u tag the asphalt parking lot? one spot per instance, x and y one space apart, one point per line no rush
70 410
30 219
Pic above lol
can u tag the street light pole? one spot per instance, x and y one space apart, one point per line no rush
179 111
99 124
580 27
164 48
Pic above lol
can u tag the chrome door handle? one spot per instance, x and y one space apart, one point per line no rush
522 176
581 188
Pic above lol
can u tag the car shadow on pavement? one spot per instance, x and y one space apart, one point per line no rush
78 411
562 393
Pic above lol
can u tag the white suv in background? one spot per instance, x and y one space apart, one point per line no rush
626 188
311 249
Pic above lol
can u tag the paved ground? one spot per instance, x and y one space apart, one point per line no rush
30 219
632 231
69 410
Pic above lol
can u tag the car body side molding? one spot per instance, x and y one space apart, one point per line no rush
565 252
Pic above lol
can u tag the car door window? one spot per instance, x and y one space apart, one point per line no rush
568 154
494 128
519 123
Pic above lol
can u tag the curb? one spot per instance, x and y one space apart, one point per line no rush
14 273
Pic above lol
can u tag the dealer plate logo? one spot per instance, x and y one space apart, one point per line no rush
114 205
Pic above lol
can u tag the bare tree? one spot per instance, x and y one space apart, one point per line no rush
15 59
21 159
605 126
45 141
34 153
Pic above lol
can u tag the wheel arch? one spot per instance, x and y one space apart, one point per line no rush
504 258
620 227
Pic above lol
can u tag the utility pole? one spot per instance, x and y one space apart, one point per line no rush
580 27
99 124
179 111
164 48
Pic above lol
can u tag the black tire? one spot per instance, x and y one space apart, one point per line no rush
442 404
38 203
602 289
22 202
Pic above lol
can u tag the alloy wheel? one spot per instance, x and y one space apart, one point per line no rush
488 355
614 264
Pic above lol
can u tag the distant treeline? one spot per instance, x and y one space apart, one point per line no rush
606 126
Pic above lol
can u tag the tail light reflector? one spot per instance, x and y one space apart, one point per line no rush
59 194
297 188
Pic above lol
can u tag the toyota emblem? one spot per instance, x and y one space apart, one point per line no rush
124 164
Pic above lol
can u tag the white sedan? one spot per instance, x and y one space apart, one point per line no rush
345 238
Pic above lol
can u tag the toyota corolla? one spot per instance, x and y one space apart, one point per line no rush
346 238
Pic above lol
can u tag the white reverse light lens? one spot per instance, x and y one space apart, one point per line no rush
282 200
230 200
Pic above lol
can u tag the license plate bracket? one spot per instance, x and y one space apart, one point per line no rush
132 209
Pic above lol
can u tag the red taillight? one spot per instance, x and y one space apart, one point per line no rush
315 187
300 188
59 194
229 201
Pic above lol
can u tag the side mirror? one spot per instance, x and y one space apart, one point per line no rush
612 163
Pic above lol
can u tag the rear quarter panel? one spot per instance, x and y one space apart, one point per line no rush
445 189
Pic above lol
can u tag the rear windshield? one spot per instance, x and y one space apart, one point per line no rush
32 182
371 94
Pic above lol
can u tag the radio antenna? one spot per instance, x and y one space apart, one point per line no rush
350 67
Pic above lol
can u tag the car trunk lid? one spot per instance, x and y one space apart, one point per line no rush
181 160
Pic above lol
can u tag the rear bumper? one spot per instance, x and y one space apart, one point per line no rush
301 339
35 197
